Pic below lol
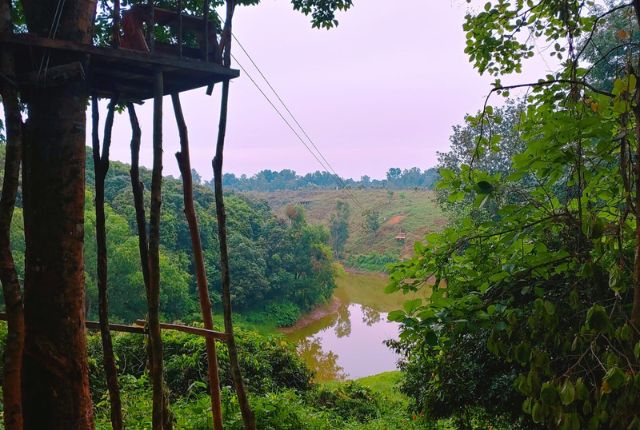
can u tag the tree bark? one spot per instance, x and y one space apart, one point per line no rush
55 379
184 164
138 195
12 374
101 167
160 410
247 415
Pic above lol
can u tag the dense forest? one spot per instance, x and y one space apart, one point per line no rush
280 267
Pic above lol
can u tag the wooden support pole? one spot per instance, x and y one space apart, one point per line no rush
101 167
161 416
184 163
248 417
12 371
160 412
138 194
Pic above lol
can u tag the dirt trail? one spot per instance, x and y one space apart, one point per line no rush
396 219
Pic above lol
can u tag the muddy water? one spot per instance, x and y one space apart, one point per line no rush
345 338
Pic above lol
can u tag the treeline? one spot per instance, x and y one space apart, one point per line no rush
286 179
281 267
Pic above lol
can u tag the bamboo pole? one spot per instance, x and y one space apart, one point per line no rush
101 167
12 371
247 415
184 163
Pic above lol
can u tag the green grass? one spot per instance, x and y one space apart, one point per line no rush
415 212
386 384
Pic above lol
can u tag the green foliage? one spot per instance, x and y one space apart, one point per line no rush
374 262
535 279
281 314
281 393
350 400
339 227
371 222
268 363
283 267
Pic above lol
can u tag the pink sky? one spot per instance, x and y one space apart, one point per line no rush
382 90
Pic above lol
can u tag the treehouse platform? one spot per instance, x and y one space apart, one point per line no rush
122 73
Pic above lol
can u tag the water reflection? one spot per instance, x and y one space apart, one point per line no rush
343 324
348 343
370 315
325 364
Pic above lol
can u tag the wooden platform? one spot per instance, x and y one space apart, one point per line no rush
109 72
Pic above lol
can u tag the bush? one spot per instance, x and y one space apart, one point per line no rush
283 314
350 400
372 262
268 362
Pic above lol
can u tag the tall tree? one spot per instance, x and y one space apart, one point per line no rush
339 227
55 373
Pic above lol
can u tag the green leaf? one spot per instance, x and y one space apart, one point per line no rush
613 379
396 316
411 305
567 393
549 394
549 307
538 413
484 187
597 318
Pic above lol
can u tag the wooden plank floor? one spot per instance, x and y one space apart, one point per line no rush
109 72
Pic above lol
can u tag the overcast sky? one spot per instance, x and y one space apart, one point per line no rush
382 90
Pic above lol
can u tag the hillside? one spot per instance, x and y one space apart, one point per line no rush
413 212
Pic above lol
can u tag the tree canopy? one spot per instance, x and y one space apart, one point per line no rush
535 288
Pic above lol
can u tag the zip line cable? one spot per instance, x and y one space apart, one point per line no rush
277 111
321 159
293 130
285 106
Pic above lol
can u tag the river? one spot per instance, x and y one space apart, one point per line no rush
345 338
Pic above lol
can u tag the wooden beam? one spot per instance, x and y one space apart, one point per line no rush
191 330
140 328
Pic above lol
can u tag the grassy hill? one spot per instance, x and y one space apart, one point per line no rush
413 212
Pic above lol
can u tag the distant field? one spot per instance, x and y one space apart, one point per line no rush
413 212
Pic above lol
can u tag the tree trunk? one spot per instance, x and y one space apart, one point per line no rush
160 412
247 415
138 195
12 375
101 167
184 163
55 379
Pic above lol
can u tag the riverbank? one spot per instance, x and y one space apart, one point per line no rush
316 314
